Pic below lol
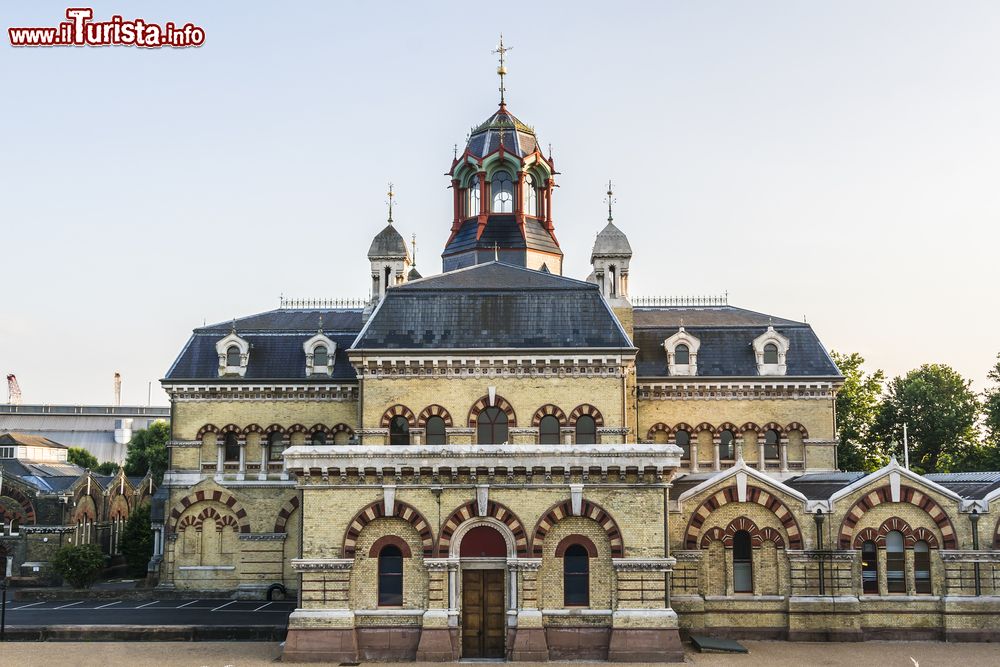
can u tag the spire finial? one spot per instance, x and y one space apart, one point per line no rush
496 251
234 325
610 199
320 330
413 245
502 69
454 152
391 195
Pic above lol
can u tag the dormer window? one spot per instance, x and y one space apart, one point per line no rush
234 355
320 354
682 353
770 351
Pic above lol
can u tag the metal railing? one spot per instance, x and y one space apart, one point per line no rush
326 304
688 301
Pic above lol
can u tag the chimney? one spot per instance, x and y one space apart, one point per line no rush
118 389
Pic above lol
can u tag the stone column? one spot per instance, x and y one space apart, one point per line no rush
241 474
715 443
264 447
416 436
567 433
783 451
694 452
220 458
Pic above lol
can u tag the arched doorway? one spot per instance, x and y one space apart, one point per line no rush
483 551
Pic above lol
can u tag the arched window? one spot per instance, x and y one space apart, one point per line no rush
435 432
530 196
770 353
399 431
682 355
576 576
232 356
319 438
548 430
869 568
683 439
341 438
390 576
232 444
742 563
895 563
922 568
727 445
473 206
586 430
491 427
320 356
661 437
275 445
771 444
503 192
15 526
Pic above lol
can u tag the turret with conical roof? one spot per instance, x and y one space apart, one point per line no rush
502 185
390 259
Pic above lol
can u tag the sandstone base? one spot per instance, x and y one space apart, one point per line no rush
528 645
438 645
316 645
645 645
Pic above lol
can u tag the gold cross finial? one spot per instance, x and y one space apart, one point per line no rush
391 195
610 199
502 69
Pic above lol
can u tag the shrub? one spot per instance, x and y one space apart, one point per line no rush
79 565
137 541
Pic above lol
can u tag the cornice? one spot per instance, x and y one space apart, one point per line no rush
473 363
186 392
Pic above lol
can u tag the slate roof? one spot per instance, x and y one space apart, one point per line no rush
276 339
28 440
822 485
726 334
611 241
502 230
969 485
493 305
517 137
388 243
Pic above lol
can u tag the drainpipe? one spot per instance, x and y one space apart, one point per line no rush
974 518
667 576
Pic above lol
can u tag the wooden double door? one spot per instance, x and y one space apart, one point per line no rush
483 614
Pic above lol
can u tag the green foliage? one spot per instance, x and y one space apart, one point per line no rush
82 458
857 407
107 468
940 411
991 420
148 451
79 565
137 541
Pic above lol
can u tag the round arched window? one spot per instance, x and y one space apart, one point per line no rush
770 353
503 192
530 196
435 431
473 206
683 439
275 445
320 356
319 438
771 439
233 356
586 430
727 445
399 431
491 427
682 355
548 430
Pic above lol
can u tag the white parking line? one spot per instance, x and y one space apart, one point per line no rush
69 605
262 606
224 605
186 604
27 605
109 604
147 604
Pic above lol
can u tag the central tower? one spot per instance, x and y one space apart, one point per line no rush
502 185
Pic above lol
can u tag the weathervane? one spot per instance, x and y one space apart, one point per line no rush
502 69
610 199
391 195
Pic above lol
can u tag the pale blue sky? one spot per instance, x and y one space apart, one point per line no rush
838 161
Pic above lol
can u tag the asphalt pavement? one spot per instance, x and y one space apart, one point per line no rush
104 611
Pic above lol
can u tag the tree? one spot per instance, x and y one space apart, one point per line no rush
991 420
148 451
940 411
107 468
137 541
857 407
81 457
79 565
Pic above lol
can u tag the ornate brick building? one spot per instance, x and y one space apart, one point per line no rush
501 461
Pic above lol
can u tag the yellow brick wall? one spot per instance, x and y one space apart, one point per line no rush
526 395
364 575
550 574
815 414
